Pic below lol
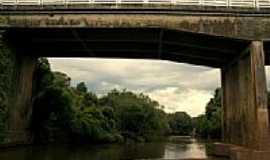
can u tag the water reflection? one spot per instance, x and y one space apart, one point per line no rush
184 148
162 150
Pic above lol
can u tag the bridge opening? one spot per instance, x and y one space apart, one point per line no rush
159 79
176 87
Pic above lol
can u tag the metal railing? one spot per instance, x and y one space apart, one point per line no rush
216 3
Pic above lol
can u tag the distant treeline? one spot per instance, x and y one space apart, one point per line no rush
74 114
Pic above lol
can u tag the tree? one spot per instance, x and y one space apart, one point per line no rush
90 99
52 99
202 126
180 123
137 116
81 87
61 79
43 76
209 125
55 101
214 105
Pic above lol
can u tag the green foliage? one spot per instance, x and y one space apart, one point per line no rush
89 99
117 116
137 116
81 87
61 80
180 123
7 66
209 125
93 125
214 105
81 114
202 126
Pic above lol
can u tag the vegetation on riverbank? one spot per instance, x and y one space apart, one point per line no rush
63 112
208 125
60 109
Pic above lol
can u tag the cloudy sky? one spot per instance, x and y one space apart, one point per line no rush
179 87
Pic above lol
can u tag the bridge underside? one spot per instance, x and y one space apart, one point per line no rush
139 43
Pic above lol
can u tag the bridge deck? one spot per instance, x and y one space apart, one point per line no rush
196 37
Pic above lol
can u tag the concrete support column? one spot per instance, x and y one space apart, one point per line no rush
21 109
245 114
16 75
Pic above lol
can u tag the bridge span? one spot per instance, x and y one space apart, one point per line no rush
235 40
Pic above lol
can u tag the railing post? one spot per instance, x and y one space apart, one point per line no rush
92 2
118 2
228 4
256 4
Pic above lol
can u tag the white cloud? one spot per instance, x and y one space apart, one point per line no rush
190 100
268 77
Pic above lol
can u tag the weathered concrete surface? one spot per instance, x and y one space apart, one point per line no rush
248 26
245 103
234 152
240 153
21 108
18 90
221 149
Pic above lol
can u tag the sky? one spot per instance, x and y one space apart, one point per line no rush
177 86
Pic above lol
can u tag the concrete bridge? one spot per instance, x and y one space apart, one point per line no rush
232 39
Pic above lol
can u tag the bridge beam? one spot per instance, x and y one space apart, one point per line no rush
245 114
16 74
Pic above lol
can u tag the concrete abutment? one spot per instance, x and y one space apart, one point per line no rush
16 76
245 113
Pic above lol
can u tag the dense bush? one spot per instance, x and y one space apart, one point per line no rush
180 123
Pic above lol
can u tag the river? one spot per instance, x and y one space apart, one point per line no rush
176 148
